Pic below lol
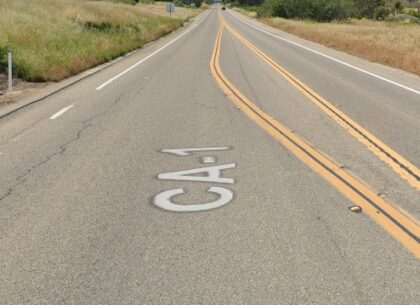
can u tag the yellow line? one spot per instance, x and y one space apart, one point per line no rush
397 224
400 165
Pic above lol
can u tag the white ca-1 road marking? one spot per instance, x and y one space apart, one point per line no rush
213 174
187 151
203 174
208 159
163 200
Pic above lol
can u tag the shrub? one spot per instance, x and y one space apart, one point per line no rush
197 3
328 10
188 3
366 8
320 10
287 8
414 13
245 3
131 2
3 59
381 12
398 6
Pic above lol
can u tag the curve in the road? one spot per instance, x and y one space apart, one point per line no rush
398 163
404 229
327 56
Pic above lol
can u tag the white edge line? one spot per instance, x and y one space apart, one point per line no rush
61 112
150 55
327 56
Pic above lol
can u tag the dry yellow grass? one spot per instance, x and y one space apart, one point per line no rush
393 44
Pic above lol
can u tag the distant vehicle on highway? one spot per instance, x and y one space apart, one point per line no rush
223 8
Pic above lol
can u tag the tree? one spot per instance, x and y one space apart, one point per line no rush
197 3
416 4
398 6
320 10
249 2
328 10
366 8
381 12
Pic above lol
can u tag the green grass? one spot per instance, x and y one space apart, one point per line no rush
53 39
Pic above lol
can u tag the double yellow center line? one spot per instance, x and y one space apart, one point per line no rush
399 164
397 224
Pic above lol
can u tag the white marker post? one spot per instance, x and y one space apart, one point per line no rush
10 71
170 8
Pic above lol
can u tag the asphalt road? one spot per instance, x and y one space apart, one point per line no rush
97 184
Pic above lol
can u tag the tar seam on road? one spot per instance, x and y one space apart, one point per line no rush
401 227
399 164
329 57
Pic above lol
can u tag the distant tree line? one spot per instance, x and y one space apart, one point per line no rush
179 3
188 3
195 3
323 10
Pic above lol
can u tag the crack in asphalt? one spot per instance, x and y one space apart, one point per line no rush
360 293
21 179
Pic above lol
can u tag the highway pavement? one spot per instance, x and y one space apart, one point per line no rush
227 163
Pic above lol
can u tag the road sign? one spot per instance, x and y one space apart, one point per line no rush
170 8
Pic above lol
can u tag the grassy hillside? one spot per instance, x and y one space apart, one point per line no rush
392 44
53 39
389 43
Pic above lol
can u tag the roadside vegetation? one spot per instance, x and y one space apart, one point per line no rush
53 39
386 32
391 44
329 10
